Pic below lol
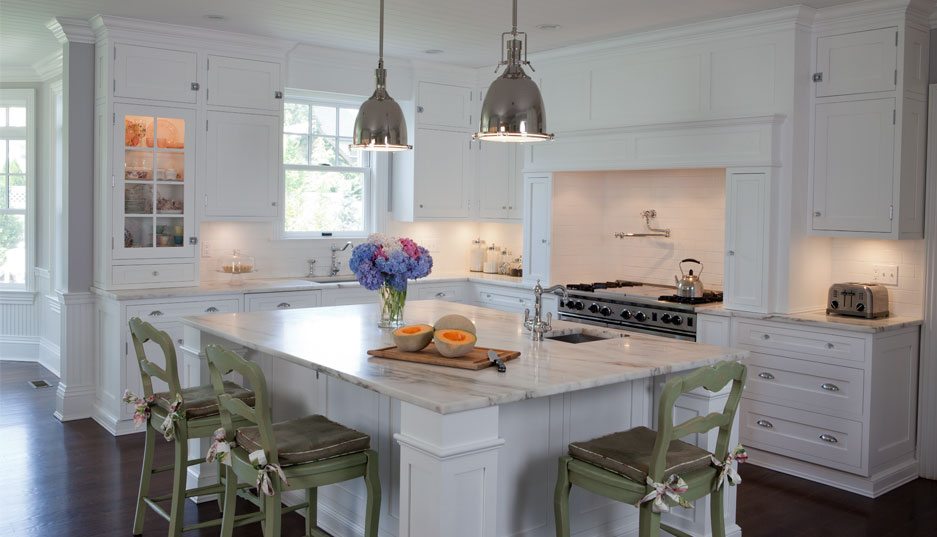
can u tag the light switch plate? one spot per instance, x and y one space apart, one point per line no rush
885 274
206 248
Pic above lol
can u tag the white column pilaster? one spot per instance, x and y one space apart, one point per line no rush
76 392
448 472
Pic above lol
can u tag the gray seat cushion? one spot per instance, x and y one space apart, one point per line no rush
200 401
307 439
629 454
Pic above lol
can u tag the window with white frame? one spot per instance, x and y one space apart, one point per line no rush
16 173
327 186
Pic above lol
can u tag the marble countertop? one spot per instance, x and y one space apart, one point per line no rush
272 285
334 340
820 319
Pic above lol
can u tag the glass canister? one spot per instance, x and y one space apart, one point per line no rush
477 256
492 259
238 263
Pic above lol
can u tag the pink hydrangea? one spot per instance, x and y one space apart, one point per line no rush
410 248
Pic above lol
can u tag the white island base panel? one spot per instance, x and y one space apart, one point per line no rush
484 472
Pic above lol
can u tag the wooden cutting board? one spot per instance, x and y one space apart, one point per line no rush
475 360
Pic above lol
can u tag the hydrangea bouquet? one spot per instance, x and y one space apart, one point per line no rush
386 263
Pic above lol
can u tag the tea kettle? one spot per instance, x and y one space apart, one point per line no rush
689 285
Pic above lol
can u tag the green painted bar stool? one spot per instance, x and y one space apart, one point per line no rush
179 414
300 454
655 470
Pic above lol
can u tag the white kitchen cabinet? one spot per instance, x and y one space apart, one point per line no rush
500 181
155 74
444 105
747 238
831 405
435 181
853 172
347 296
243 83
282 301
538 231
242 165
713 329
857 62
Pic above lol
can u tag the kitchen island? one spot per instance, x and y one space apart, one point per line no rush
463 452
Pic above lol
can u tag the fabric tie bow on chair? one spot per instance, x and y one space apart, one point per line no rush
265 472
671 490
220 448
727 472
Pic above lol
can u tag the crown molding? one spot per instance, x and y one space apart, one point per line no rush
70 30
105 26
49 67
752 23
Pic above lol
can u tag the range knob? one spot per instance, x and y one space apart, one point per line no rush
626 314
676 320
606 311
665 318
834 304
580 305
860 307
571 304
594 308
640 317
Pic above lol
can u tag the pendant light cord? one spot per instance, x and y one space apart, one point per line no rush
514 19
380 60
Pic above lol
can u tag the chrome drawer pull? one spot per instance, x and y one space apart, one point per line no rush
765 423
179 341
829 438
829 387
440 294
765 375
211 309
766 336
283 305
830 346
156 313
155 273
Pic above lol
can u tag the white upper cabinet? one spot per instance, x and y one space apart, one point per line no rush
242 165
747 238
443 174
538 230
444 105
155 74
241 83
500 183
858 62
853 171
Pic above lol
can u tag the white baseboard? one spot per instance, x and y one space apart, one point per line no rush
113 424
19 348
49 356
74 403
870 487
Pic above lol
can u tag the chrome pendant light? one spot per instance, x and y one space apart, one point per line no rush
380 125
513 108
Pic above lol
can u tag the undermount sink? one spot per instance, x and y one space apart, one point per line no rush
341 278
584 335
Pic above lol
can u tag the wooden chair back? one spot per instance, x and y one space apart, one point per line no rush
141 332
222 362
714 379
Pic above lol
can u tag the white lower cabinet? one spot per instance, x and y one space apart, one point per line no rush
282 301
832 405
748 220
538 231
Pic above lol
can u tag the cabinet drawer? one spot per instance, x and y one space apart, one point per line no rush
772 337
436 292
806 436
806 385
283 301
153 274
505 300
164 313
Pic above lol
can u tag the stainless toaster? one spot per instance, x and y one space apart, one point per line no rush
867 300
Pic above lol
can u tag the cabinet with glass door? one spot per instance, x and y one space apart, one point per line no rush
154 183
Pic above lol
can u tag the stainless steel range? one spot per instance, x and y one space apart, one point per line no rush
634 306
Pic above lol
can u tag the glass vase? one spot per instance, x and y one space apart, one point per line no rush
392 303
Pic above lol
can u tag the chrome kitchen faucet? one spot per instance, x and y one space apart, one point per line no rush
537 326
333 271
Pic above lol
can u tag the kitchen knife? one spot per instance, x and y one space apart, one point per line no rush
495 360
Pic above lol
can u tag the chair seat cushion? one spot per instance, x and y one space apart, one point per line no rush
200 401
307 439
629 454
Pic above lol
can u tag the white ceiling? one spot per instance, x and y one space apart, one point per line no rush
467 31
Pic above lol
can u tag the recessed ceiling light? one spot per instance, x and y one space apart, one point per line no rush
215 17
548 26
432 51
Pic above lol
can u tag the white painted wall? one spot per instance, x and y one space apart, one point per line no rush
589 207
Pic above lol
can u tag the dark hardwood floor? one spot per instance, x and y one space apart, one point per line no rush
89 488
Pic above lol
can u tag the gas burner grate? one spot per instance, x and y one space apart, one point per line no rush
707 298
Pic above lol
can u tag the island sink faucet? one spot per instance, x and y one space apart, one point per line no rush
333 271
537 326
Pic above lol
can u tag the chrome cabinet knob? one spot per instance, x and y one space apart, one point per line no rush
766 336
440 294
155 273
830 346
829 438
765 423
829 387
765 375
179 341
419 109
731 252
817 214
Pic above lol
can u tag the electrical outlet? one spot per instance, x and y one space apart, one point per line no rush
207 248
885 274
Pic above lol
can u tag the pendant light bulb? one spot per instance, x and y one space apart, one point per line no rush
513 108
380 125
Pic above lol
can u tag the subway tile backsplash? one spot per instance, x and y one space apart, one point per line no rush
852 261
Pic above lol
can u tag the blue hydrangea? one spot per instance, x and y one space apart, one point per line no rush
373 266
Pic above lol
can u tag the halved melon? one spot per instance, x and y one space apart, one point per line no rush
413 337
454 343
455 322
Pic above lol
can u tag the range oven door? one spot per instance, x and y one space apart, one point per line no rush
627 328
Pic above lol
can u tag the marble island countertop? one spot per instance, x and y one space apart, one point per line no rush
272 285
820 319
335 341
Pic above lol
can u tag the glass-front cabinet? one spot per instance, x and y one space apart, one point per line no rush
154 182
